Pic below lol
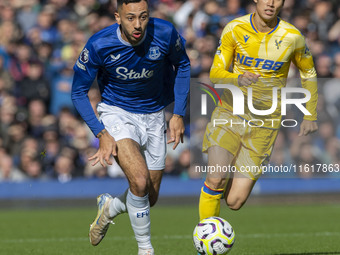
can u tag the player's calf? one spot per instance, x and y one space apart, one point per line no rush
235 202
139 213
209 204
153 199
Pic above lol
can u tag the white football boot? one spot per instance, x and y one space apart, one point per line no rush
146 252
102 222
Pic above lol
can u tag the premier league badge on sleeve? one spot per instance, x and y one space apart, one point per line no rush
84 56
154 53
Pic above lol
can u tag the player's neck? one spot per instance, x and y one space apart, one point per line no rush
262 25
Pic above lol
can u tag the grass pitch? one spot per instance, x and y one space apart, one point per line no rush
260 230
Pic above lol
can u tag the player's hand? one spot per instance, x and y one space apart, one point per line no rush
247 79
107 147
176 128
307 127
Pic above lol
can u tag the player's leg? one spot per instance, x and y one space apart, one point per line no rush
255 151
137 201
155 151
152 130
156 178
238 190
118 123
118 205
221 142
215 182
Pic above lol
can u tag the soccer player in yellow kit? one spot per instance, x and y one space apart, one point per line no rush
261 47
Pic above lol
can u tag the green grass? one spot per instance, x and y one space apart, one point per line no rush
259 230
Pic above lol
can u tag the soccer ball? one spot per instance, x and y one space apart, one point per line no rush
213 236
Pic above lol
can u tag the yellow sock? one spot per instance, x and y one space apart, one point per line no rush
210 203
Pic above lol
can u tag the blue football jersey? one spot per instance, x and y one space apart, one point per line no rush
143 78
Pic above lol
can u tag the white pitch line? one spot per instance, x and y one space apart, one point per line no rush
169 237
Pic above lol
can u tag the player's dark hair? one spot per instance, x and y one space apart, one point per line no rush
121 2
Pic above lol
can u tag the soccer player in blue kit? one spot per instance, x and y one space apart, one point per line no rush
141 66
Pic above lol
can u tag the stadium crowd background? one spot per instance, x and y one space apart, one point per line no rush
41 135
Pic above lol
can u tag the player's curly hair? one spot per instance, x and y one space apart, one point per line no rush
121 2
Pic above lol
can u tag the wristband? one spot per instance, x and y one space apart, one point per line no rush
101 133
177 115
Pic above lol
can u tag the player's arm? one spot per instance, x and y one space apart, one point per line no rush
180 60
85 71
224 56
304 61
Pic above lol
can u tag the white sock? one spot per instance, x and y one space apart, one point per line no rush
118 206
139 213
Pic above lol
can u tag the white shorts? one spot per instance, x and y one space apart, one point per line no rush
148 130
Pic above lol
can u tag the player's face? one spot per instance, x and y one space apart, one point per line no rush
133 19
268 9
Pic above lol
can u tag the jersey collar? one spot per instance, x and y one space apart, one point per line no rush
255 29
119 34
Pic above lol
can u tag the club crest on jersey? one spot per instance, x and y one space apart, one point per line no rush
278 43
84 56
154 53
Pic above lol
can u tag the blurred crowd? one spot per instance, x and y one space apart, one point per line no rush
43 137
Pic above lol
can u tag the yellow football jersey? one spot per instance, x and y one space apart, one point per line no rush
269 55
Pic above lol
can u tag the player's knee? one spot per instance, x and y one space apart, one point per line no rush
235 203
139 185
